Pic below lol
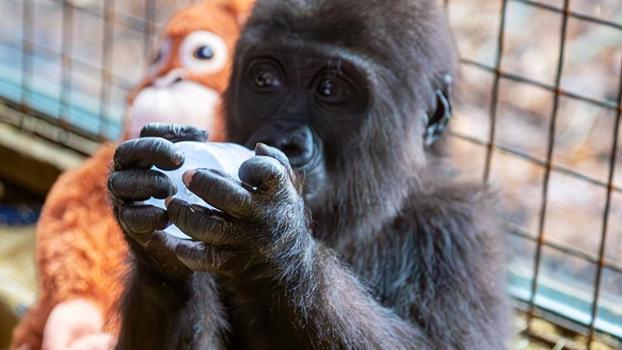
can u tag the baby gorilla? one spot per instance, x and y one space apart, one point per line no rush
345 232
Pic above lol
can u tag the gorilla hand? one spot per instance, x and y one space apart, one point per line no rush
260 230
133 181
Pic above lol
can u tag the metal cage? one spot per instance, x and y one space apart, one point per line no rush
587 309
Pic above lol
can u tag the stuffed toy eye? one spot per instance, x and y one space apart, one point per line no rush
203 52
161 57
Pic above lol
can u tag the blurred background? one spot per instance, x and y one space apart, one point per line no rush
537 115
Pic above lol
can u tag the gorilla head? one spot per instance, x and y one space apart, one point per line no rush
381 250
352 91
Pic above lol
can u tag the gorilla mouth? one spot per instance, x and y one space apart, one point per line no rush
312 174
294 138
314 154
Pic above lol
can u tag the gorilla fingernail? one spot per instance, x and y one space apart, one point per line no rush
178 158
187 177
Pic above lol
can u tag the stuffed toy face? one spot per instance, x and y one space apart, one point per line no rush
190 69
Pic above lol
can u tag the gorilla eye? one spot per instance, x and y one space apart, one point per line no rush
332 90
203 53
265 79
326 88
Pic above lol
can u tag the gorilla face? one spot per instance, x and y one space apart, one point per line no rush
345 94
302 104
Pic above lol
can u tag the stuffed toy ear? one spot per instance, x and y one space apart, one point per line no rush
241 8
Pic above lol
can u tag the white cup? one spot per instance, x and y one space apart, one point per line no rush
227 157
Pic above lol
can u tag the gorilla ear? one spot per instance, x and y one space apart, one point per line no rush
438 119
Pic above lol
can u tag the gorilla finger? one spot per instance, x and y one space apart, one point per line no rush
219 190
263 172
261 149
140 184
162 247
200 223
199 256
163 242
142 220
147 152
174 133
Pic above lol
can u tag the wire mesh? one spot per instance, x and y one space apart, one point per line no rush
88 68
532 301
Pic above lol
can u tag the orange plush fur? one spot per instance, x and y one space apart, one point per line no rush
80 251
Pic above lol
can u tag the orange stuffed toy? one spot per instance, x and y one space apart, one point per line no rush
80 249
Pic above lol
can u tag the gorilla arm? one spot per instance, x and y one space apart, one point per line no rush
160 313
435 249
165 305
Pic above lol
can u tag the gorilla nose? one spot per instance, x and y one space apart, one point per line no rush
294 139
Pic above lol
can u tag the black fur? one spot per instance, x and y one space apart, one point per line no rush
366 244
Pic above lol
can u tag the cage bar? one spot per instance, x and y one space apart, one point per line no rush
27 51
494 101
106 55
548 166
607 211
